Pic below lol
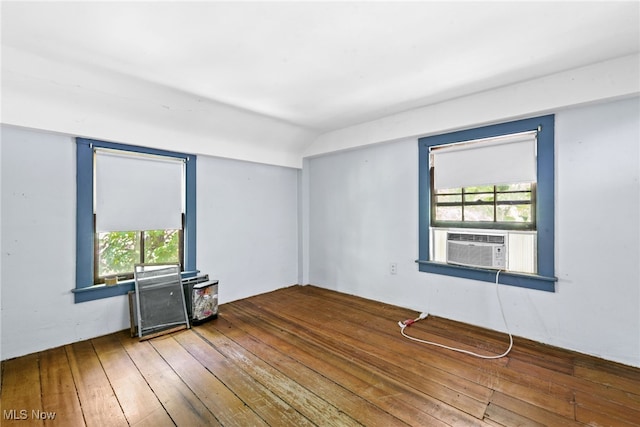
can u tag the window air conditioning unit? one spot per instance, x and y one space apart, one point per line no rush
477 250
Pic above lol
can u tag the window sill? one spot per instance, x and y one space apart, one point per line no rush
523 280
90 293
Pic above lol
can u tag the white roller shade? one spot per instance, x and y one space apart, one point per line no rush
505 159
137 192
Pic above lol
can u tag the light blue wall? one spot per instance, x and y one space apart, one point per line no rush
247 226
363 211
363 207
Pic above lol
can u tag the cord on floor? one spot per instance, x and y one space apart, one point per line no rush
404 324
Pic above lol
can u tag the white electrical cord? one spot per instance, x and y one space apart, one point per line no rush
403 326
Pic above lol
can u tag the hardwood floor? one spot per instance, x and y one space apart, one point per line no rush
305 356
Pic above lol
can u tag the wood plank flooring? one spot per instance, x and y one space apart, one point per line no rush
305 356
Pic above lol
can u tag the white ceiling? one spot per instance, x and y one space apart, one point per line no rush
326 65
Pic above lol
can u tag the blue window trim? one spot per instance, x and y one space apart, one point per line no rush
545 279
85 290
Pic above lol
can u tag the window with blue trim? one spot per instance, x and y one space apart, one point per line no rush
121 221
486 202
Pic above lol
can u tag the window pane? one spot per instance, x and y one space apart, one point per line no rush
513 203
479 189
514 213
514 197
478 213
448 199
479 197
162 246
449 213
524 186
449 191
118 252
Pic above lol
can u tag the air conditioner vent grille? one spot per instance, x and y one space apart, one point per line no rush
476 250
477 238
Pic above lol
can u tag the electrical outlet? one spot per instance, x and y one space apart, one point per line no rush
393 268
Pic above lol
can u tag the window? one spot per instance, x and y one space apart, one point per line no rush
502 207
135 205
117 252
497 179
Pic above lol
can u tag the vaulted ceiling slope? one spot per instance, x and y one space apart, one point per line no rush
270 77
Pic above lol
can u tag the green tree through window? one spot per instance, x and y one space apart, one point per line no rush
510 206
118 252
